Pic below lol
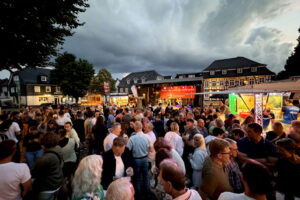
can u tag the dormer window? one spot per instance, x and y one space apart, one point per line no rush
239 70
180 76
191 76
43 78
253 69
143 80
212 72
128 81
224 71
159 78
135 80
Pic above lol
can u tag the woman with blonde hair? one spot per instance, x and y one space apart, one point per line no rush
197 160
174 138
87 179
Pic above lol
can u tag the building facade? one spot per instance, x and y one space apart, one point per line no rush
223 74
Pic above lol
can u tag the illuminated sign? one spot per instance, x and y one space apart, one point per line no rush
175 92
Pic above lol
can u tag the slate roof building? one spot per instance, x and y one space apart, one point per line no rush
233 72
135 78
32 87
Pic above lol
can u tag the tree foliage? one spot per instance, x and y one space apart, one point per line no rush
31 30
72 76
292 66
97 82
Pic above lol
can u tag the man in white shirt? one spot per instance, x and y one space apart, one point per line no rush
71 132
115 132
15 181
148 130
62 119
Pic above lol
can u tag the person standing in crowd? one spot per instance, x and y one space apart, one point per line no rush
174 138
218 124
87 179
257 182
268 117
96 115
71 133
89 136
140 147
62 118
120 189
256 147
100 131
33 147
197 160
159 126
111 118
289 113
172 178
201 127
109 139
148 130
295 127
288 167
78 125
277 133
214 176
248 120
116 162
232 168
15 181
47 170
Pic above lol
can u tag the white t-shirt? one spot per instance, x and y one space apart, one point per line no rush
12 175
11 132
151 138
119 167
108 141
62 120
234 196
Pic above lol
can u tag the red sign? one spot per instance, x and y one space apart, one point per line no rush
176 92
106 87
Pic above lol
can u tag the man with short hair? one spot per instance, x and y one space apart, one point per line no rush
71 133
62 119
172 178
115 132
257 181
15 179
116 162
256 147
289 113
214 177
140 146
201 128
148 130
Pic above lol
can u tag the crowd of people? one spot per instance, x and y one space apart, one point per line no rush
113 153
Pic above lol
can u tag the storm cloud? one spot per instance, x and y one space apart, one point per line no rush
172 36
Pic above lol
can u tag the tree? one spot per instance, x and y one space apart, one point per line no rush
292 66
72 76
31 30
97 82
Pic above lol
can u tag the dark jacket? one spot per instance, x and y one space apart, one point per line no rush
109 166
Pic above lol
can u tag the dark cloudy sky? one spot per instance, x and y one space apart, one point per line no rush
174 36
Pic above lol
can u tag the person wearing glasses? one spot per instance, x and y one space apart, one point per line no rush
234 172
214 176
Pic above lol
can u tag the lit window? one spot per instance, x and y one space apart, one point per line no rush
48 88
213 84
251 81
262 80
224 71
253 69
212 72
37 89
44 78
206 84
239 70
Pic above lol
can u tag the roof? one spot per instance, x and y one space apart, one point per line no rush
233 73
176 80
232 63
148 75
32 75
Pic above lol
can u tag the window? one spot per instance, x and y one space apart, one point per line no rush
126 90
213 84
143 80
191 76
206 84
57 89
253 69
37 89
212 72
231 83
239 70
48 88
237 82
180 76
135 80
44 78
16 78
4 89
224 71
12 90
128 81
221 83
121 89
242 82
262 80
251 81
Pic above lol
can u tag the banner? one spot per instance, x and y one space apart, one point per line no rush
106 87
176 92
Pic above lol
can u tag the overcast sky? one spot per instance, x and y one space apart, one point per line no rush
172 36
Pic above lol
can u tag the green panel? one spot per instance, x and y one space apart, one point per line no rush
232 103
